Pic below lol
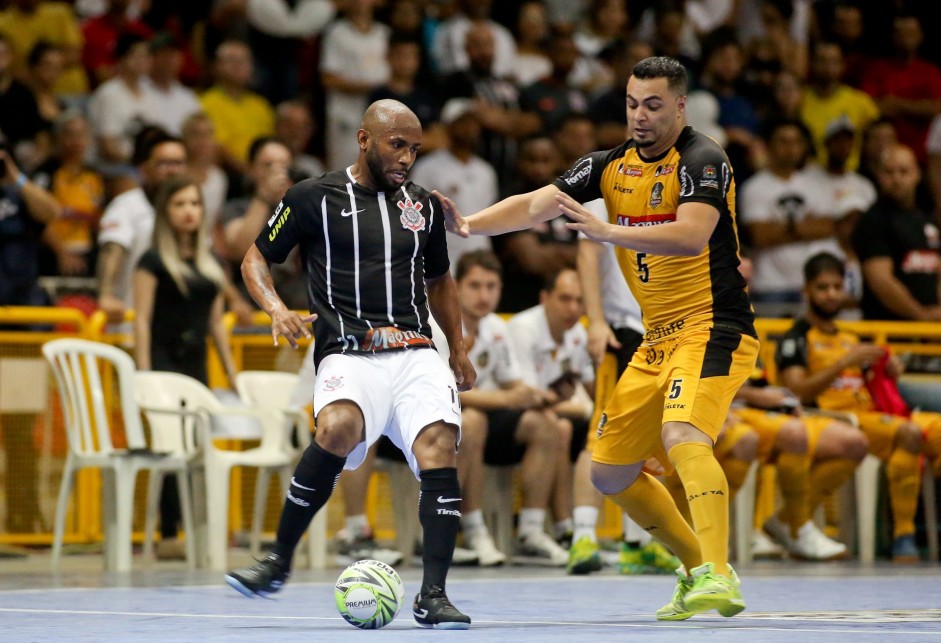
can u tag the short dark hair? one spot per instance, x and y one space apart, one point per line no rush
485 259
821 263
40 49
259 143
147 140
664 67
126 42
552 279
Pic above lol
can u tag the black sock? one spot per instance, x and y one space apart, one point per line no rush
313 482
439 510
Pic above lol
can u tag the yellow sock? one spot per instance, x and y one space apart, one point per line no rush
735 472
649 504
794 482
825 478
708 494
675 486
904 483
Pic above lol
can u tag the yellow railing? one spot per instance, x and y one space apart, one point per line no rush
35 446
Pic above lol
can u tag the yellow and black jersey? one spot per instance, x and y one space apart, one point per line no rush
674 292
815 350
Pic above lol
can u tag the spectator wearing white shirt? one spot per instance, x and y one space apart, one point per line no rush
172 101
448 49
467 179
294 126
552 346
127 225
352 64
504 420
786 221
122 106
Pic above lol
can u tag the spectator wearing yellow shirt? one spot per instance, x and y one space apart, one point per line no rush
239 114
826 98
26 22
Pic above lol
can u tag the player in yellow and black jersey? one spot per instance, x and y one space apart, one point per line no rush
670 194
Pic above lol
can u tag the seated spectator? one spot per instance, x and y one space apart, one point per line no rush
101 34
243 217
552 347
26 208
530 256
404 57
553 97
605 22
906 87
127 224
172 101
784 219
202 153
468 180
826 98
26 22
70 247
532 31
608 110
824 366
24 132
122 106
352 64
878 136
496 100
239 114
574 137
449 47
505 421
294 126
46 63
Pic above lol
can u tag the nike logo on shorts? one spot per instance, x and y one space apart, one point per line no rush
442 499
344 213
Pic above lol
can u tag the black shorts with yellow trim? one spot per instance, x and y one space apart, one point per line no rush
689 377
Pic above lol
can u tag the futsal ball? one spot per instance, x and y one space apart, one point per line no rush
369 594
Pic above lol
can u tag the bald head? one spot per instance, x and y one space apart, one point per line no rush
388 114
389 140
899 174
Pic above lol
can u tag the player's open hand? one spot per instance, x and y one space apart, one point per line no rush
582 219
291 325
453 220
464 372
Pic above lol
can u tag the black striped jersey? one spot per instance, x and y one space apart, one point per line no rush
366 255
673 292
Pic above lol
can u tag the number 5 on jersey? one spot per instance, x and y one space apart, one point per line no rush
643 270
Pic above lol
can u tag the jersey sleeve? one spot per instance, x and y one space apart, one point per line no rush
871 236
705 176
436 248
507 368
792 349
283 230
582 181
116 226
522 341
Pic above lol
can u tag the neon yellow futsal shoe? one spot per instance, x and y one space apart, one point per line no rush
714 591
676 609
583 557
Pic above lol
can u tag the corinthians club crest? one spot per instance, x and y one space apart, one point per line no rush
411 218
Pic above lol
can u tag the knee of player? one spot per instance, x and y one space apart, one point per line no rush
565 430
746 447
611 479
339 432
909 437
855 445
792 437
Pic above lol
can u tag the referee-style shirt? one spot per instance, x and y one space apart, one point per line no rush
366 255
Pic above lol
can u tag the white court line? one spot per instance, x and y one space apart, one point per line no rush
688 626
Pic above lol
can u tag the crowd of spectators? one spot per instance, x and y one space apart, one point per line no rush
811 98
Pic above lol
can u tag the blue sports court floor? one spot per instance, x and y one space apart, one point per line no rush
786 602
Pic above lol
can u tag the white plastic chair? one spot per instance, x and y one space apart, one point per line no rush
272 390
78 366
167 397
743 512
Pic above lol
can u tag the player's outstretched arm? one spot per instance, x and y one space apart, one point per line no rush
687 236
518 212
442 299
260 286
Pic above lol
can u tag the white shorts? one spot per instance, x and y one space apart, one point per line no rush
399 393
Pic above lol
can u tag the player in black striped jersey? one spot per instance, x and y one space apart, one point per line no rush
376 260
